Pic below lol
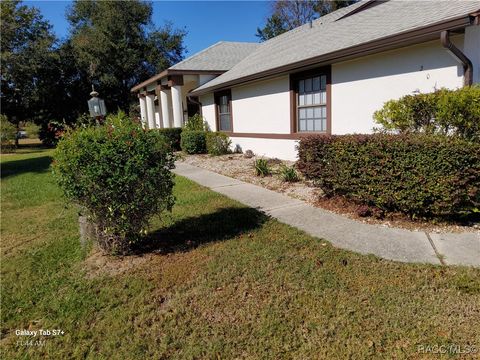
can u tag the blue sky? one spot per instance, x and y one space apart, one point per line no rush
206 21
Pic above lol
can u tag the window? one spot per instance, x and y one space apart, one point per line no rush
312 104
223 101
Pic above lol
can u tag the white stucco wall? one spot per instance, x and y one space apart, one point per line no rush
274 148
262 107
208 110
471 48
362 86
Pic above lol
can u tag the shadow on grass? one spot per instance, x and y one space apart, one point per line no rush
18 167
194 231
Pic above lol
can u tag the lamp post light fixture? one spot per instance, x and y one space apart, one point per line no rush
96 106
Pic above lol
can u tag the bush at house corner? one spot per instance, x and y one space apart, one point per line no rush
194 141
120 173
417 174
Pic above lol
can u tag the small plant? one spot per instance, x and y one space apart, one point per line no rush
262 168
194 142
195 123
218 143
288 174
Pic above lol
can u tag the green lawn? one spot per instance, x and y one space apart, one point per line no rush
219 281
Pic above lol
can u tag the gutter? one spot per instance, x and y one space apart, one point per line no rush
460 56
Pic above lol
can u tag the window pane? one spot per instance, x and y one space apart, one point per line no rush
301 87
316 83
323 97
302 114
308 85
323 82
316 98
302 125
324 124
309 125
308 99
310 113
318 125
317 112
324 112
225 122
301 100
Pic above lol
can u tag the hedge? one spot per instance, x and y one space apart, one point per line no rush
443 112
194 142
173 136
417 174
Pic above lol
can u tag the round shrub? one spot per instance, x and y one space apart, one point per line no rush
120 174
218 143
194 142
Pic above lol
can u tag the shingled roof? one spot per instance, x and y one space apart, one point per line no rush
366 22
216 59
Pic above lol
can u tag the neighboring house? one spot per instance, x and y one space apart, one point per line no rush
325 77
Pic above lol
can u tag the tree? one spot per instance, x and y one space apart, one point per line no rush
116 44
27 51
287 15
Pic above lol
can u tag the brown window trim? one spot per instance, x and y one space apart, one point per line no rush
294 78
216 97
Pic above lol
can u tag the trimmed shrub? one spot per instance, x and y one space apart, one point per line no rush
262 168
196 123
445 112
8 133
194 142
32 130
218 143
417 174
119 174
172 135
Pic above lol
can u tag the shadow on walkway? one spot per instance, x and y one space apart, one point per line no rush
191 232
18 167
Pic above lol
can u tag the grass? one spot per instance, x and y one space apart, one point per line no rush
219 280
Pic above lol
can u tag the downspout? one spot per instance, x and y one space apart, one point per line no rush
457 53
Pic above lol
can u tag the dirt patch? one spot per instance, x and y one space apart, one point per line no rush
241 168
98 263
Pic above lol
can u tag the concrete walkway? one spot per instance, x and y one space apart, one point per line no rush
389 243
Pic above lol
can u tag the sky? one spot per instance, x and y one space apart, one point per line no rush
206 22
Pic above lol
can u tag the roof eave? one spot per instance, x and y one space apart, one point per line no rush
398 40
167 72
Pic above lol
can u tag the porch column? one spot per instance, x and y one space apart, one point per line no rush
158 116
151 111
143 110
164 107
177 105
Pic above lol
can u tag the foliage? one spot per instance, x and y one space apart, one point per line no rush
32 130
262 168
120 174
417 174
196 123
289 14
85 120
444 111
218 143
118 46
51 133
27 56
194 142
288 174
173 136
8 134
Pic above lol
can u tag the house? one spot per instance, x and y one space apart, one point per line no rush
325 77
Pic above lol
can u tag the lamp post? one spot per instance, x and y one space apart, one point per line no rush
96 106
